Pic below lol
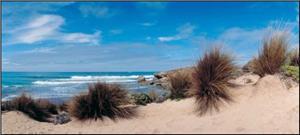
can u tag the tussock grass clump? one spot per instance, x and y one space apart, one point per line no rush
101 100
248 66
210 80
272 56
40 110
63 107
294 58
180 83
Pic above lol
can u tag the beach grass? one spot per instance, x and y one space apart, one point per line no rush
272 56
101 100
153 95
210 80
294 57
179 85
40 110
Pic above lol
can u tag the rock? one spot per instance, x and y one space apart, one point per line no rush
245 79
160 75
162 78
61 118
163 82
141 79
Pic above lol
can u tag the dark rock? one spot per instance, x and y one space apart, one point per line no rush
160 75
61 118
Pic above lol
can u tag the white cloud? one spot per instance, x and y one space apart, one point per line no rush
95 10
37 29
47 28
82 38
184 32
41 50
147 24
116 31
7 62
153 5
17 13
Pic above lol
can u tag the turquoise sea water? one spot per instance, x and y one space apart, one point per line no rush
63 85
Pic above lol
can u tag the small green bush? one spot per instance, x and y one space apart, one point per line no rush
141 98
292 71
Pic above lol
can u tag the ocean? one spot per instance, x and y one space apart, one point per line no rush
61 86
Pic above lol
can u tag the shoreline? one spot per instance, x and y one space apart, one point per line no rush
258 108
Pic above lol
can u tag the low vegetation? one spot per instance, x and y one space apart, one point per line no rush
210 83
248 67
294 58
291 71
40 110
141 98
180 83
63 107
101 100
272 56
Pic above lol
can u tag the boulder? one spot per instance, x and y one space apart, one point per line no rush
160 75
162 78
141 79
61 118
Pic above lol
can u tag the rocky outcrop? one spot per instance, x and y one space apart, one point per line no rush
61 118
162 78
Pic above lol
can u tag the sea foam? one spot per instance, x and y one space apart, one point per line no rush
91 79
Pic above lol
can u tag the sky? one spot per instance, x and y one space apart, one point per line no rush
136 36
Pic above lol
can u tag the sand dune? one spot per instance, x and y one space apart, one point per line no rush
265 106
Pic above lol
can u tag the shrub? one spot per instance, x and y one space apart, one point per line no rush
210 80
180 84
40 110
272 56
141 98
101 100
292 71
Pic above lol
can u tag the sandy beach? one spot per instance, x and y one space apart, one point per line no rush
265 106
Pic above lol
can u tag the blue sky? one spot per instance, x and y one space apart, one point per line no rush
135 36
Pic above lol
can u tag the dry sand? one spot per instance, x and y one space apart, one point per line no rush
264 107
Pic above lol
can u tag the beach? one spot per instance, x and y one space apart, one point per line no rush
150 67
265 106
